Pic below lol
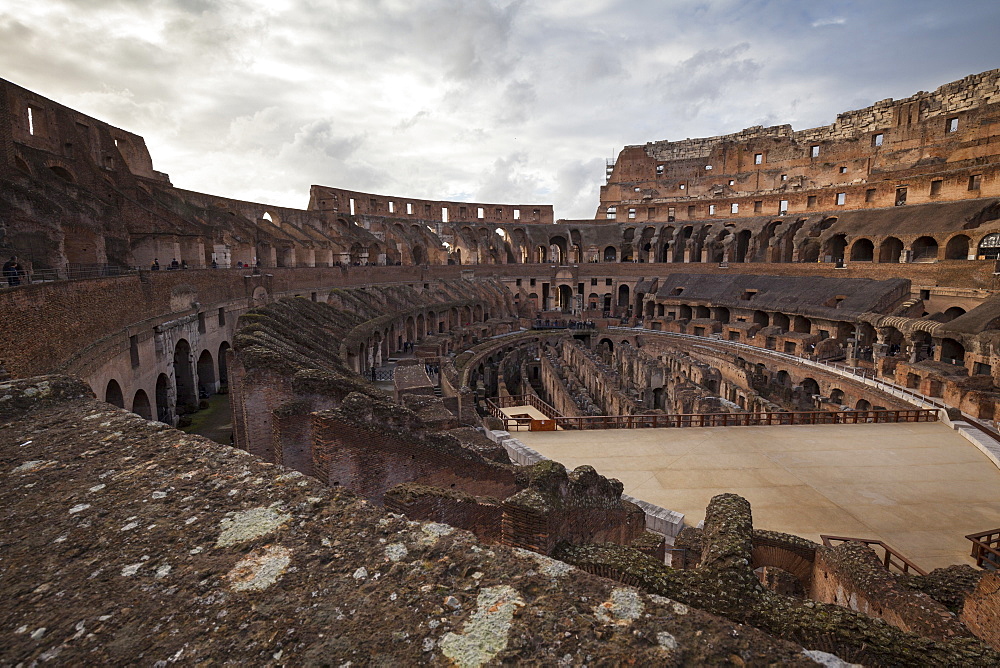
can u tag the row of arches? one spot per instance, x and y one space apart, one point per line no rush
192 380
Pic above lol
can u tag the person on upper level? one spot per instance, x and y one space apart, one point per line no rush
13 271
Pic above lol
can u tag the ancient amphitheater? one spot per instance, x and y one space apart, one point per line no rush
801 322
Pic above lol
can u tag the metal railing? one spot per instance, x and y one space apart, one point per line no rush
986 549
72 272
890 558
495 406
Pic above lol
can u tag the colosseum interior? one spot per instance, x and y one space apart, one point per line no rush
801 322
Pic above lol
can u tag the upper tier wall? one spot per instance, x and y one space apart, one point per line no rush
934 146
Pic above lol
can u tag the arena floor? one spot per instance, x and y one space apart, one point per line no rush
919 487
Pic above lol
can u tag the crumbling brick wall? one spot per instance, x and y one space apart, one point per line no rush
982 610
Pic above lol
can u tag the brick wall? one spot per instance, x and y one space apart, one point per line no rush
369 462
464 511
851 575
982 610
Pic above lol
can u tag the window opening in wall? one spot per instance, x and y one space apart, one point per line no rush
519 282
951 125
612 212
631 214
222 316
671 214
843 170
841 199
784 177
637 189
517 214
427 210
758 158
734 208
691 211
732 182
498 212
444 214
877 139
109 162
350 203
593 281
202 327
925 294
659 170
814 151
607 281
980 369
758 206
870 195
936 186
811 201
783 207
748 295
711 209
116 143
392 207
676 291
373 204
68 149
651 213
480 212
974 181
532 282
682 186
133 350
31 121
463 212
708 167
409 208
535 213
900 196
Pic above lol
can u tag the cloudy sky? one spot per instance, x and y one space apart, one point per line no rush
517 101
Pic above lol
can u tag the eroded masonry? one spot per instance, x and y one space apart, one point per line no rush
378 505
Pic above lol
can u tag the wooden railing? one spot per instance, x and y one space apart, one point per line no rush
890 557
986 549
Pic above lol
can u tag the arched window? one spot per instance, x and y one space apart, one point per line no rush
989 247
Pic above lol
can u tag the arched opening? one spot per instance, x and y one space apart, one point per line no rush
606 345
863 250
780 320
837 397
206 375
810 387
782 378
565 298
742 245
863 405
685 312
702 311
721 314
957 248
419 255
890 250
953 312
623 295
62 173
164 406
925 249
185 392
541 254
801 325
952 351
140 405
989 247
760 318
223 364
113 394
558 250
610 254
834 249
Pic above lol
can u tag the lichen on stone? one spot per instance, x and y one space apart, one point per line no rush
249 524
260 569
485 634
624 607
